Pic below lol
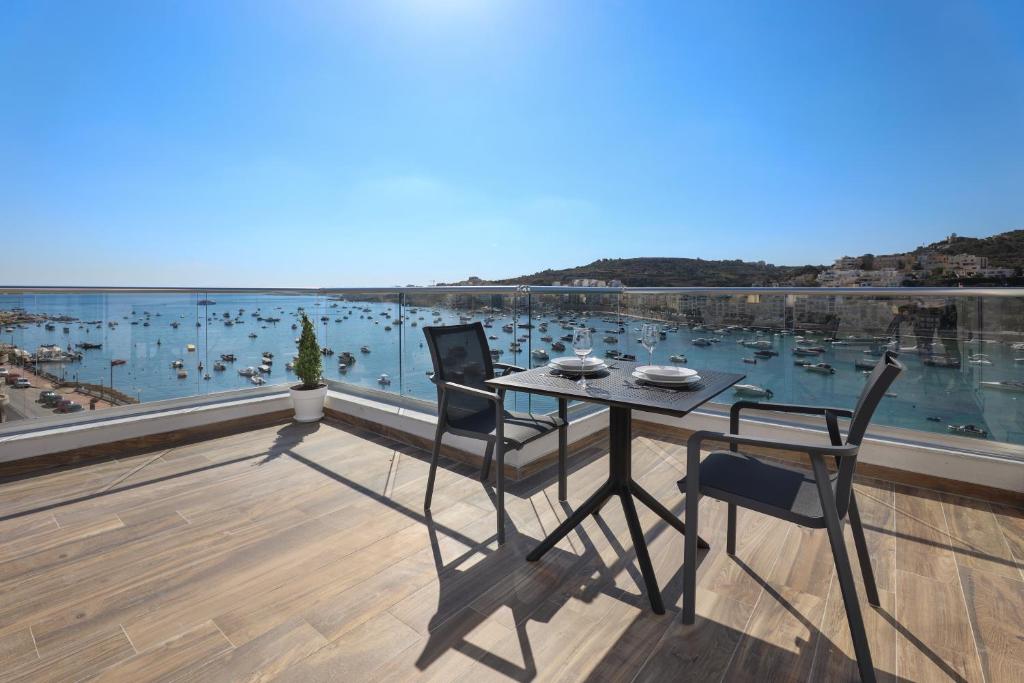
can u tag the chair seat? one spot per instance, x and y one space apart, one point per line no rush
773 489
520 428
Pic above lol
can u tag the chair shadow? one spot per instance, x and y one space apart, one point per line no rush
459 614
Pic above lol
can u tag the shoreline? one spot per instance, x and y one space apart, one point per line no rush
25 402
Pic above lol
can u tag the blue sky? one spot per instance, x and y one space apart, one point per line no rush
327 143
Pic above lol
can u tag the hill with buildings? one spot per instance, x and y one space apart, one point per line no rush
671 272
1005 250
956 260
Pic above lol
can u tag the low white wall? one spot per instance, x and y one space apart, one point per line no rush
28 438
32 438
418 423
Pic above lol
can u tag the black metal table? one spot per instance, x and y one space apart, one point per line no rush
617 389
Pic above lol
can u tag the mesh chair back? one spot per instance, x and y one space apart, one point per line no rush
460 355
885 372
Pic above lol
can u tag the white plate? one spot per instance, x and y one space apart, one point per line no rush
575 369
573 363
693 379
665 372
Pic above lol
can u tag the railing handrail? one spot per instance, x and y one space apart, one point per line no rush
538 289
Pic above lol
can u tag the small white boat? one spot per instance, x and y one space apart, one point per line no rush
752 390
257 380
823 368
265 369
1006 385
177 364
384 380
677 359
967 430
539 354
182 374
248 372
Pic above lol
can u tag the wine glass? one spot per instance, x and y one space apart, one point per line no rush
582 345
649 339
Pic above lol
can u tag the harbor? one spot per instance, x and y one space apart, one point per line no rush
128 348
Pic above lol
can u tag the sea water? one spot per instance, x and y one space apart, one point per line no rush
953 396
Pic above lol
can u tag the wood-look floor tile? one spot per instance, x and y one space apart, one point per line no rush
224 546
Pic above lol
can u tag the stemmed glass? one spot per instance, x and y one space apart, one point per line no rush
649 339
582 345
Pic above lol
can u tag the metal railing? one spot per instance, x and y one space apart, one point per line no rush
972 392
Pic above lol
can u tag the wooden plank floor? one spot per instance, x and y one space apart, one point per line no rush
301 553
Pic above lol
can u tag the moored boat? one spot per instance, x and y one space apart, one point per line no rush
967 430
1006 385
823 368
752 390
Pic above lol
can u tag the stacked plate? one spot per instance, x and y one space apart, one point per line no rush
666 375
571 365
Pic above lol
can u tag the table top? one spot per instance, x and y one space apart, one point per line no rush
616 387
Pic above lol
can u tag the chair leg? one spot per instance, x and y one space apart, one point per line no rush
834 525
485 472
433 465
563 438
862 551
500 476
690 539
730 543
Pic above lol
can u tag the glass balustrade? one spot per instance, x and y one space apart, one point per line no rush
98 349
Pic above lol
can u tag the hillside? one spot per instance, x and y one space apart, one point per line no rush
673 272
1005 250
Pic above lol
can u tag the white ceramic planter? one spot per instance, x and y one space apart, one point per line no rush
308 403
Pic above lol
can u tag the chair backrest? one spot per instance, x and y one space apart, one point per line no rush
460 355
886 371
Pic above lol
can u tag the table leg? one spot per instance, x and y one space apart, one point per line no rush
563 438
662 511
643 558
620 483
572 521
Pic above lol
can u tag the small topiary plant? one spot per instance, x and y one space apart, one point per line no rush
308 367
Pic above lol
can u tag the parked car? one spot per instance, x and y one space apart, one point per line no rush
69 407
4 371
22 383
48 397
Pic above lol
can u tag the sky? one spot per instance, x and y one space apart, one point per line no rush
332 143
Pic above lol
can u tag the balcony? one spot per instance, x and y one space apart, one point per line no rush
302 553
198 534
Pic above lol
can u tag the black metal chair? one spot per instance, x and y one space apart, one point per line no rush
468 406
819 500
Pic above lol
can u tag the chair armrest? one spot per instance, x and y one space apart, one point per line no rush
472 391
509 369
830 414
788 408
698 438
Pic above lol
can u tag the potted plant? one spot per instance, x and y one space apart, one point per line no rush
308 397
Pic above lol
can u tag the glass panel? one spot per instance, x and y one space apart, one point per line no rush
964 355
249 339
500 314
556 315
362 338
